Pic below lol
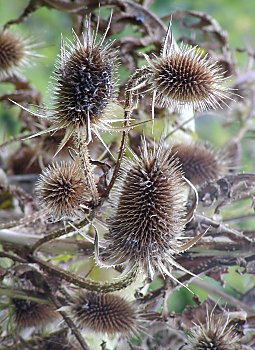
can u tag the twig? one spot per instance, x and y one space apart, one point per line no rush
86 283
56 234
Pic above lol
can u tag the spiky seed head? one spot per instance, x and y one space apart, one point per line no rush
29 313
104 313
149 212
184 76
201 162
15 53
61 191
83 85
216 334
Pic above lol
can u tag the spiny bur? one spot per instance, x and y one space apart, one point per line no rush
201 162
29 313
148 219
216 334
183 77
62 192
15 53
83 87
105 313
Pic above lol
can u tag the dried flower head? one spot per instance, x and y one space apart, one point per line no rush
149 213
200 162
83 86
216 334
15 53
61 191
183 77
105 313
29 313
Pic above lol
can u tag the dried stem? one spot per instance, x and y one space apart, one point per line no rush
86 283
56 234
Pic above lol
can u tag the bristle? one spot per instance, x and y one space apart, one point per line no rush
61 191
216 334
200 162
15 54
149 213
32 314
105 313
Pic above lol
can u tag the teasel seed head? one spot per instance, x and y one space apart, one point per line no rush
29 313
61 191
184 77
105 313
201 162
216 334
82 88
15 53
149 213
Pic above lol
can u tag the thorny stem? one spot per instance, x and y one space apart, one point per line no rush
86 283
56 234
127 115
83 154
69 322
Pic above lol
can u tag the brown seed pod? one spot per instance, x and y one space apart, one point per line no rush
15 54
149 213
82 87
61 191
200 162
215 334
29 313
183 77
105 313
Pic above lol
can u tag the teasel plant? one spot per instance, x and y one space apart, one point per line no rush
135 213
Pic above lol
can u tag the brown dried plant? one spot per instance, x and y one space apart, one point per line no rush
101 244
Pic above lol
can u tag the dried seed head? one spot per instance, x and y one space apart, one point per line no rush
149 213
105 313
216 334
61 191
200 162
184 77
15 53
29 313
83 87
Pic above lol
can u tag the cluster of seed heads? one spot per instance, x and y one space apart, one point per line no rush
149 200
